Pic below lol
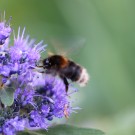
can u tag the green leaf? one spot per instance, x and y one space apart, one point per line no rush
7 96
65 130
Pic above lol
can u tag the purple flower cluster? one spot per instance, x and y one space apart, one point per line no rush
38 97
5 30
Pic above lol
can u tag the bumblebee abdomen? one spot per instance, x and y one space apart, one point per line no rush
72 71
76 73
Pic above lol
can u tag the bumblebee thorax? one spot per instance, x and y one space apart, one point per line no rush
55 61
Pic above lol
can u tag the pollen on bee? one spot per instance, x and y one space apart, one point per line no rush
66 111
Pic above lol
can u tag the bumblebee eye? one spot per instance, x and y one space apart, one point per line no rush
47 63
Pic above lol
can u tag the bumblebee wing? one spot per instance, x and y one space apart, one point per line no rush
68 46
75 46
57 46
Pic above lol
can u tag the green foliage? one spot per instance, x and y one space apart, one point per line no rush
64 130
7 96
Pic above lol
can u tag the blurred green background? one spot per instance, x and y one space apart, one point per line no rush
108 29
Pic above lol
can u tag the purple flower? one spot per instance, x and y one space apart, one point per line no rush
34 106
38 120
25 49
5 30
38 97
11 126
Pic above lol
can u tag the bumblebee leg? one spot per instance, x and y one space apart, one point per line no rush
66 83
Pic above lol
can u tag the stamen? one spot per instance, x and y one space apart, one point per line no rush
8 22
23 34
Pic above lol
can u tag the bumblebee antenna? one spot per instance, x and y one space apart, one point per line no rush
38 66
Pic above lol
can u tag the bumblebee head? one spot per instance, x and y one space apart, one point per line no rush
47 64
55 62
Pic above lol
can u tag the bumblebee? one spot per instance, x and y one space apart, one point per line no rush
66 69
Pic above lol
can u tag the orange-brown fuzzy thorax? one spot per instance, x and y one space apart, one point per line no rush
59 61
64 62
